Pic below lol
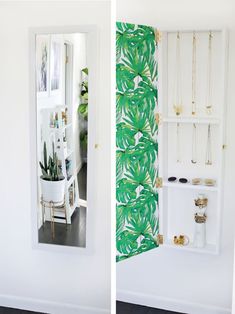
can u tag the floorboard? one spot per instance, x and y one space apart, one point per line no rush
7 310
128 308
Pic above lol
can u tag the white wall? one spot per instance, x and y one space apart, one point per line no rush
187 282
79 63
47 281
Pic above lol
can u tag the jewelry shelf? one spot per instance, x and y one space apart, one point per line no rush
176 200
198 120
208 249
199 187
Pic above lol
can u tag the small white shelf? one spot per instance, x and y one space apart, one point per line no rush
60 129
208 249
179 185
191 120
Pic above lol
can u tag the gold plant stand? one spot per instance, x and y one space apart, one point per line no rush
53 206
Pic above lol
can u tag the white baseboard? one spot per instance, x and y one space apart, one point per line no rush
47 306
169 304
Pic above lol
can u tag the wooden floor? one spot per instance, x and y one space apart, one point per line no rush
127 308
122 308
74 234
7 310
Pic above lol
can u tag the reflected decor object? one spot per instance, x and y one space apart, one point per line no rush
42 64
200 220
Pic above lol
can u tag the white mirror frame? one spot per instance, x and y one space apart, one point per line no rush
92 62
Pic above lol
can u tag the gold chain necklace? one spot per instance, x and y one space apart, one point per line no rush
194 144
208 147
178 142
209 76
178 97
194 75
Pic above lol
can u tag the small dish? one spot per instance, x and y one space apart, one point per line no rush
196 181
210 182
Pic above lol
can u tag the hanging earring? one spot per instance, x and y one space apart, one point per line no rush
194 75
208 147
194 145
209 69
177 106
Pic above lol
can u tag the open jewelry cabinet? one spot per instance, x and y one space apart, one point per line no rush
184 137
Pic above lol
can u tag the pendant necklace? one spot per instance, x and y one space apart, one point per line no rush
209 68
208 147
178 142
178 96
194 75
194 145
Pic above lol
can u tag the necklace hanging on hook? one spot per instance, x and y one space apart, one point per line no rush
194 75
209 76
194 145
178 152
177 105
208 147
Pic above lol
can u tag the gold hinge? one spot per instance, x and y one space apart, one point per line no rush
224 146
158 118
158 36
159 183
160 239
66 59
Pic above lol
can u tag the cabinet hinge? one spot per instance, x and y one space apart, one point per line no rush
160 239
159 182
66 59
224 146
158 118
158 36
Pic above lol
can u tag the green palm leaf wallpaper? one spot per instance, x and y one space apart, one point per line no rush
136 140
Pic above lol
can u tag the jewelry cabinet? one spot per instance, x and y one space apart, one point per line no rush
186 139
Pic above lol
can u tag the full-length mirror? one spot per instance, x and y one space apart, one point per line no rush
62 137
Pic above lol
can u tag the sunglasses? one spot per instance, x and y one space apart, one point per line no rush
174 179
195 181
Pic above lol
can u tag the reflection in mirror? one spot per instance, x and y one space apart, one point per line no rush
62 116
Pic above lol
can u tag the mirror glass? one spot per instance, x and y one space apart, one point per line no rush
62 136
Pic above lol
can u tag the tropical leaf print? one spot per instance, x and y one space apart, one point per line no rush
136 140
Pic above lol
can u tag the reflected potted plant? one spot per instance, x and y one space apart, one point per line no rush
52 180
83 107
83 113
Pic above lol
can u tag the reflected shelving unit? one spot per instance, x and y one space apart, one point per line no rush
62 135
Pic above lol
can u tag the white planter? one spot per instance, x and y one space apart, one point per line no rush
53 190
